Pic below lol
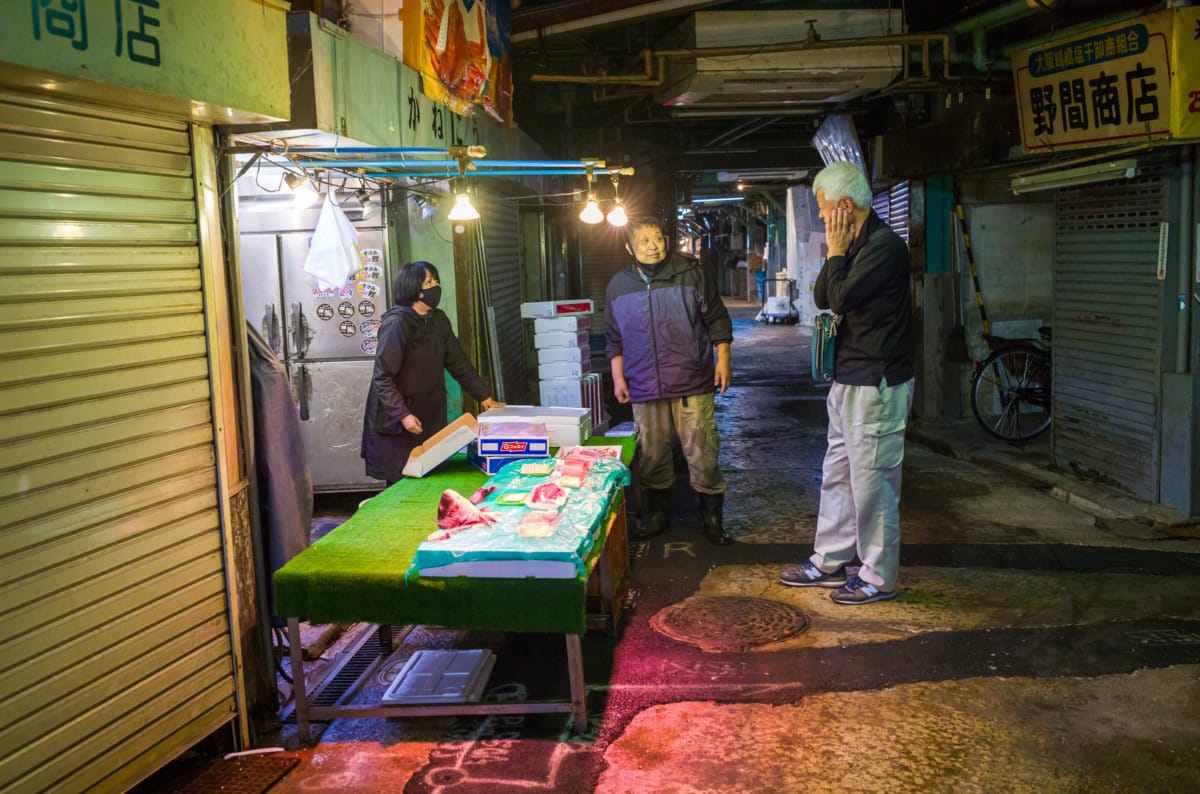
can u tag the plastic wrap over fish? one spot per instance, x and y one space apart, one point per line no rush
508 548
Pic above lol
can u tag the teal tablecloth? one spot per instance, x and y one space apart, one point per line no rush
358 572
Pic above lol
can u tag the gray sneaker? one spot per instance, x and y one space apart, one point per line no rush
856 591
809 575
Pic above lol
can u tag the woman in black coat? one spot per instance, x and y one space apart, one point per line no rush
407 400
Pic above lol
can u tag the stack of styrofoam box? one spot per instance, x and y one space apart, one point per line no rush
560 336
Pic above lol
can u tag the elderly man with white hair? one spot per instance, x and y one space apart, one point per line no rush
865 281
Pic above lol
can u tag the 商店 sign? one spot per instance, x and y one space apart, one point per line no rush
1134 81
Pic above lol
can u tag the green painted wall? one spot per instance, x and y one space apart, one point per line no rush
227 58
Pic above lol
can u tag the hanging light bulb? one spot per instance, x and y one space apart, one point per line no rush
304 192
463 210
369 205
591 212
617 216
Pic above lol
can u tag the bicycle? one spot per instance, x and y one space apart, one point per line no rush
1011 391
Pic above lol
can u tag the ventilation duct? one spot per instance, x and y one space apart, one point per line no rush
780 79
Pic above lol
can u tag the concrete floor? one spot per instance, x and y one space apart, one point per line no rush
1034 646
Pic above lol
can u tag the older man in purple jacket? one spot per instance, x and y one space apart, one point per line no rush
668 345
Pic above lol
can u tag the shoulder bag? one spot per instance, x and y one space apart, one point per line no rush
823 344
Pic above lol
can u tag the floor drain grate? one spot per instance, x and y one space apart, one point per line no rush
729 623
346 676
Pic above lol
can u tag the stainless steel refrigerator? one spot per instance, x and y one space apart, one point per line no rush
325 337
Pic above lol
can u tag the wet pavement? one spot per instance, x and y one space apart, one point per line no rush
1046 637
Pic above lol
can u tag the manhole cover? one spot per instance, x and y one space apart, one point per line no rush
729 623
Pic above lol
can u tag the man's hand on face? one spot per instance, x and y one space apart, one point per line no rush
839 230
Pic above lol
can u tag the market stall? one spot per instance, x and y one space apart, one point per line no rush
364 571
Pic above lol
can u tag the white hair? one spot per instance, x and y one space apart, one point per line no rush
843 180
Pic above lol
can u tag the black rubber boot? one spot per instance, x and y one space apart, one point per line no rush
656 513
711 507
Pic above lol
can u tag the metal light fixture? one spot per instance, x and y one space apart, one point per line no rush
1070 177
369 205
463 210
428 205
304 192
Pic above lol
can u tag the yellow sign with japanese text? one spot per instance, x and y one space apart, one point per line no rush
1185 56
1110 86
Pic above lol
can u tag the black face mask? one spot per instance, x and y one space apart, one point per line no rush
432 296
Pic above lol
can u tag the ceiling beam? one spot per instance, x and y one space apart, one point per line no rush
585 15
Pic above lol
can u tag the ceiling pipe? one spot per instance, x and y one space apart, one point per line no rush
924 40
633 13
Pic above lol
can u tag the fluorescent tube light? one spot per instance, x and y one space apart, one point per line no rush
1080 175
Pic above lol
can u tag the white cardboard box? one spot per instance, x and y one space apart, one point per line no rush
561 392
551 355
556 308
564 369
566 426
568 322
560 339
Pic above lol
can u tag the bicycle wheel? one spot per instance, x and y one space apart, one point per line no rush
1010 393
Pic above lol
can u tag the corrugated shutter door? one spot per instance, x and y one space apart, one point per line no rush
1107 307
501 250
113 614
604 255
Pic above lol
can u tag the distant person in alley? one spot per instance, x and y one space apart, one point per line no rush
407 400
865 282
668 344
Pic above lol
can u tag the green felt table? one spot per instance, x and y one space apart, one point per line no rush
360 570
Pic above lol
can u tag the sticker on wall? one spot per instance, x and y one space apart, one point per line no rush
368 290
372 256
323 294
325 311
369 327
346 291
346 309
369 346
368 273
347 328
366 309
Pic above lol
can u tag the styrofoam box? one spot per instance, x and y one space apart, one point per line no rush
564 369
568 322
551 355
561 339
561 392
490 464
519 437
556 308
566 426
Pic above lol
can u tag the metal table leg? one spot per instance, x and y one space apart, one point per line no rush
296 650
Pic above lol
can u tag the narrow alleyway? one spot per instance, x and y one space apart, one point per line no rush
1030 649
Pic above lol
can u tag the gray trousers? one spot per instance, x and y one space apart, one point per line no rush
693 421
860 488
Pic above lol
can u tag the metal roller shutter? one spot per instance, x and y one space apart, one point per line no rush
1107 313
501 251
892 208
603 255
113 609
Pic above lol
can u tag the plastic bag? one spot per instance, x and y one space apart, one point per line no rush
333 254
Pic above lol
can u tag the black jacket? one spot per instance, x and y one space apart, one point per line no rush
666 328
870 288
412 353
